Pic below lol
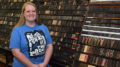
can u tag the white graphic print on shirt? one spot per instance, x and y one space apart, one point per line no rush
36 43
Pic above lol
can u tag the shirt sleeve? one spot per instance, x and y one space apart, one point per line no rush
15 39
48 38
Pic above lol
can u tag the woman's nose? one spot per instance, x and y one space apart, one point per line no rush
31 12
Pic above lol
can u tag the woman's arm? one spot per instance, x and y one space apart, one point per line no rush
20 56
48 54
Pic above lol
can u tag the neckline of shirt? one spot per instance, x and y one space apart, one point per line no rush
31 27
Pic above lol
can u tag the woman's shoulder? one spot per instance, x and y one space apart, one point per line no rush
43 25
18 27
45 28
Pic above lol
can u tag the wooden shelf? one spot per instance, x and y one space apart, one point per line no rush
2 58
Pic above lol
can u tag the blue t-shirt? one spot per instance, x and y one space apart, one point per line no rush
31 41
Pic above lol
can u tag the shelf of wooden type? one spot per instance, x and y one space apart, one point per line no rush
3 60
83 64
4 44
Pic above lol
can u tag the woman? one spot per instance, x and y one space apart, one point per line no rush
30 43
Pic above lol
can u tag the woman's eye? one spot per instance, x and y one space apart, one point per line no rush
27 11
33 11
30 11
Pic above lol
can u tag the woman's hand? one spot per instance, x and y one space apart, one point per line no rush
34 65
42 65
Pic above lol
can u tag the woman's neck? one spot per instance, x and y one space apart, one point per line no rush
31 24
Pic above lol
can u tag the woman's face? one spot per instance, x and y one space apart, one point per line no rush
30 13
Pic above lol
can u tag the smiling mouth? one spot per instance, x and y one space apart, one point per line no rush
31 16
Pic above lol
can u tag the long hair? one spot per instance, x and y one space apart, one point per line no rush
21 21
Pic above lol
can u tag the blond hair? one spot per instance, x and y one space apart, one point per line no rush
22 19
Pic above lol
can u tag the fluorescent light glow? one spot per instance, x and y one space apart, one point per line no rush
103 0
